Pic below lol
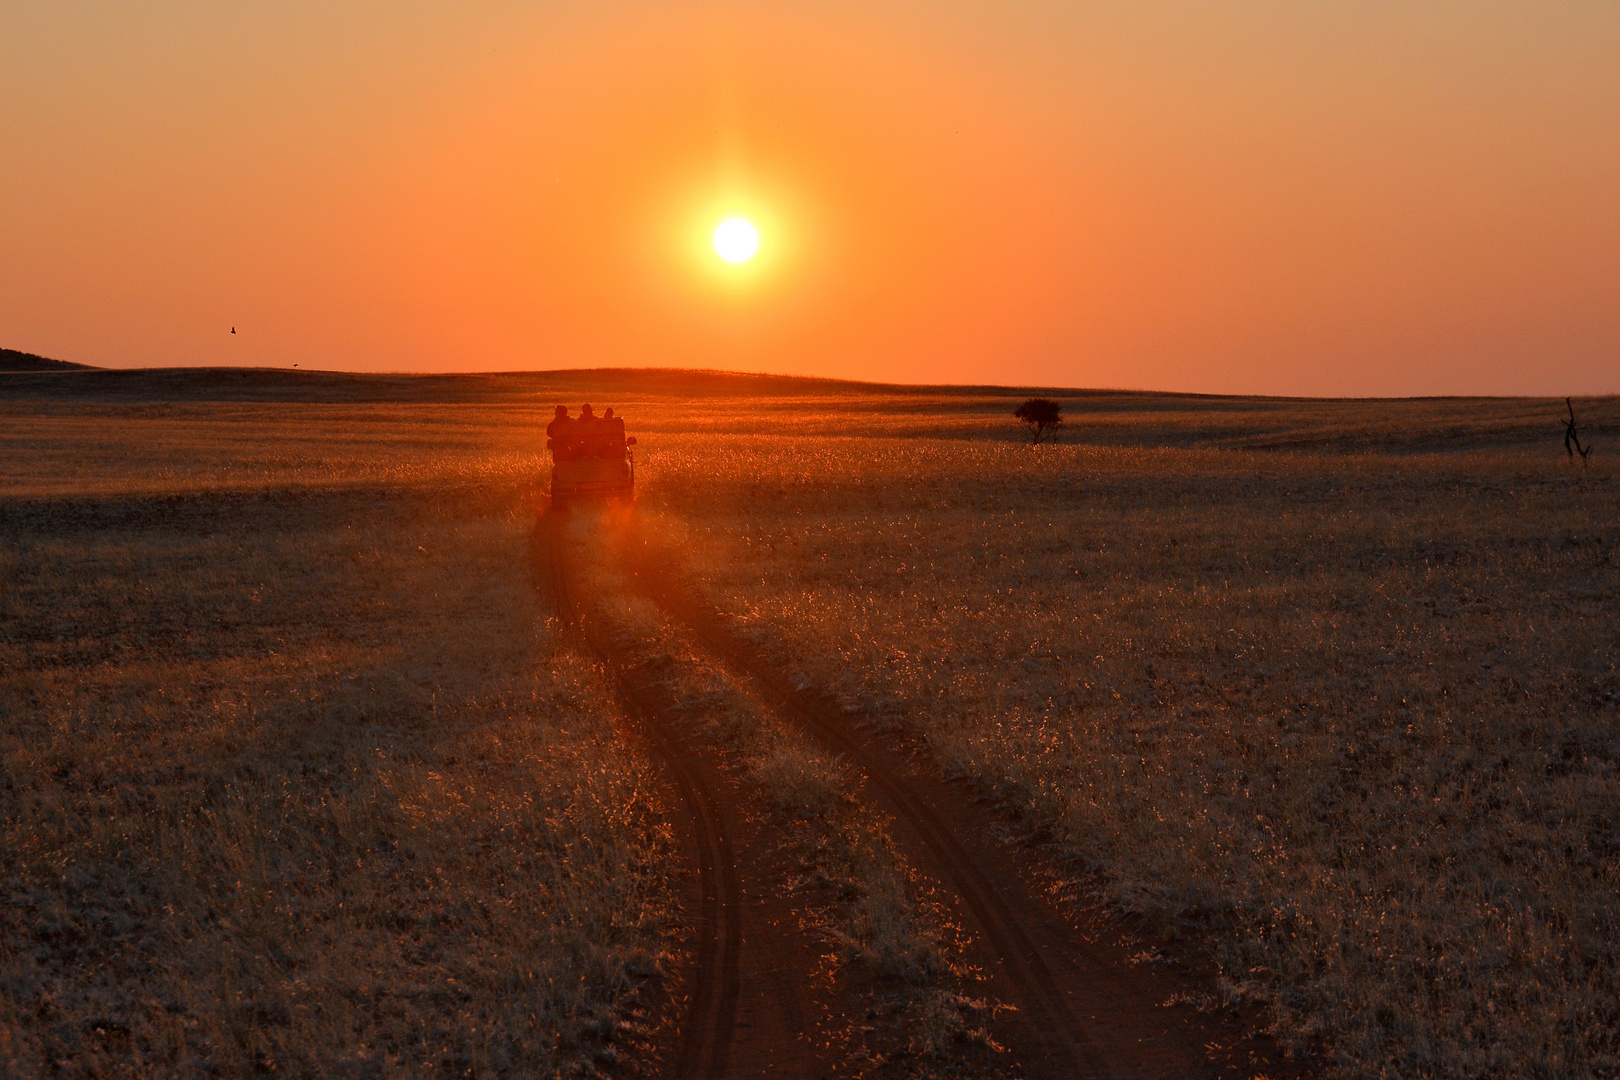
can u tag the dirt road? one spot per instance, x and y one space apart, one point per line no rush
1084 1004
735 886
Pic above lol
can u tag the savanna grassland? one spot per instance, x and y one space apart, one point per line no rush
297 770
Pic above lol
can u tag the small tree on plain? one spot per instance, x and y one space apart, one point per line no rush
1040 415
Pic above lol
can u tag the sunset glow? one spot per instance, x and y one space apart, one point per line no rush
1259 198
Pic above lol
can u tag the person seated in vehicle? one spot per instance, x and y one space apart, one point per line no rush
613 443
592 433
560 435
559 422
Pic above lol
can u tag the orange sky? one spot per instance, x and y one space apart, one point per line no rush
1355 198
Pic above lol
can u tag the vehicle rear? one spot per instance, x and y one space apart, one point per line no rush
591 478
591 460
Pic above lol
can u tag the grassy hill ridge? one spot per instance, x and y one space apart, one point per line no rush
286 384
17 360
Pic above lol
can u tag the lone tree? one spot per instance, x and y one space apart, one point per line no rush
1040 416
1572 438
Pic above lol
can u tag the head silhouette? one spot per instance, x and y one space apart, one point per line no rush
562 411
607 413
585 413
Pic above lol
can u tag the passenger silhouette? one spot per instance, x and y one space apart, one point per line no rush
613 436
590 432
560 421
560 434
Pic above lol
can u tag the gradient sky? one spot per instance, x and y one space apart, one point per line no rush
1381 198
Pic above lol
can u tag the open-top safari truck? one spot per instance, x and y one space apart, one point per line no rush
590 458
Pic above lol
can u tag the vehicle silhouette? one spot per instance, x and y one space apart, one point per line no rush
590 457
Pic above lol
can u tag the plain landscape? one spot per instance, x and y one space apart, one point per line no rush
324 750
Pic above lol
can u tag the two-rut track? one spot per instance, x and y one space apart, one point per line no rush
712 1006
1081 1008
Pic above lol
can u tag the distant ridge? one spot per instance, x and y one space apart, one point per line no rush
12 360
152 385
28 377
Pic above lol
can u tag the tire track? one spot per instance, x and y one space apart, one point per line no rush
1083 1009
712 1012
1036 990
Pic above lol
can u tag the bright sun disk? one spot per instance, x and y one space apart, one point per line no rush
736 240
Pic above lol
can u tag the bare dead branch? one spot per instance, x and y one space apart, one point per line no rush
1572 438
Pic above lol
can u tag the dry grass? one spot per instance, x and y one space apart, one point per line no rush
1355 714
298 778
175 449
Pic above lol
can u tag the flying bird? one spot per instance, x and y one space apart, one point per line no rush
233 329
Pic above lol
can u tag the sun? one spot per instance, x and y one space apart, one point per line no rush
736 240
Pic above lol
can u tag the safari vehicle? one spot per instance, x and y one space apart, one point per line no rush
590 459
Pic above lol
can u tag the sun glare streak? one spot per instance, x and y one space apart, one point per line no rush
736 240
